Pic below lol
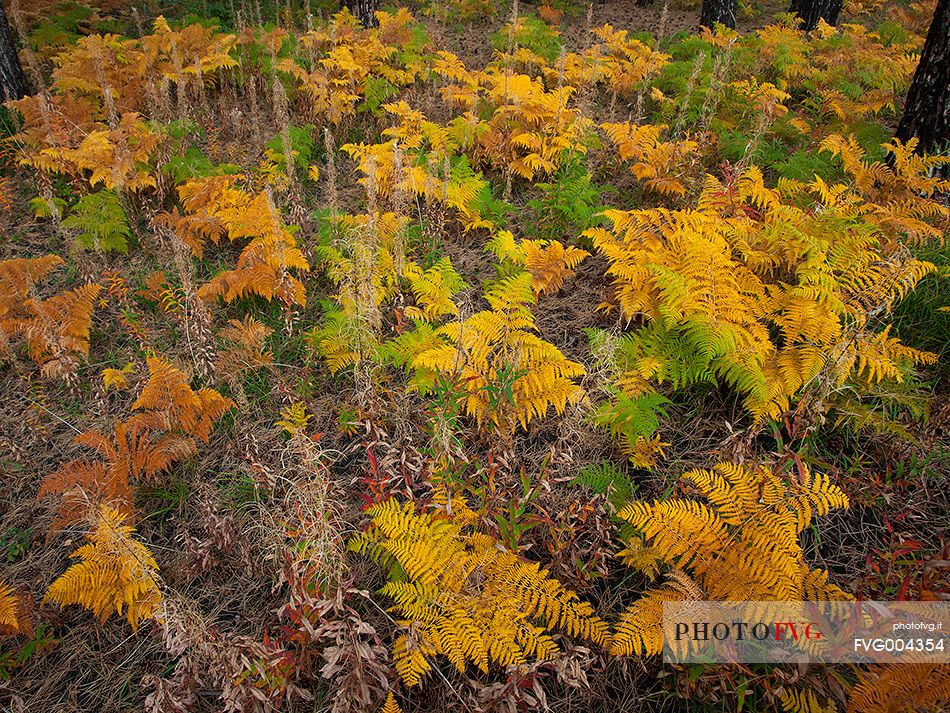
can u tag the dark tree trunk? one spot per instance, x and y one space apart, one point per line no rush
722 11
927 109
644 3
13 83
811 11
364 11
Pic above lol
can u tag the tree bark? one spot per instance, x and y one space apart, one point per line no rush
722 11
927 109
364 11
13 84
810 11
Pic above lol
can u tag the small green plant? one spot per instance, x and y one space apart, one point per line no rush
608 479
101 223
14 543
531 33
301 146
568 205
13 658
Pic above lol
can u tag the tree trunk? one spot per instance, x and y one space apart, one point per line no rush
13 83
810 11
644 3
927 109
722 11
364 11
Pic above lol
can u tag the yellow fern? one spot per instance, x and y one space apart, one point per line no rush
901 688
797 701
751 288
740 544
14 618
117 378
510 376
390 706
116 574
464 597
294 418
659 164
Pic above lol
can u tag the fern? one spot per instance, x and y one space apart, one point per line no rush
901 688
607 479
14 617
509 374
659 164
101 223
244 347
215 208
390 706
568 204
116 573
794 701
741 544
18 276
294 418
464 597
301 143
707 283
433 290
169 420
56 330
631 418
337 340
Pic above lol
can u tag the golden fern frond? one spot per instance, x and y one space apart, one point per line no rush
814 494
14 615
17 277
680 531
550 265
902 688
464 597
639 631
742 546
294 418
511 376
798 701
390 706
116 573
117 378
433 289
167 402
57 329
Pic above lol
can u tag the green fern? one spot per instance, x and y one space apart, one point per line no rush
194 164
101 223
608 479
301 146
568 205
630 418
533 34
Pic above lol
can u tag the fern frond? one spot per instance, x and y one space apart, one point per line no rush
901 688
390 706
798 701
116 574
57 329
466 598
101 223
18 276
14 616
